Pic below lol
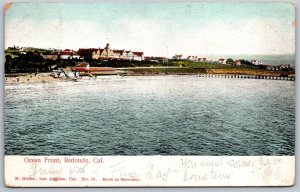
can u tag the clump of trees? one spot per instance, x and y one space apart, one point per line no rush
229 61
32 62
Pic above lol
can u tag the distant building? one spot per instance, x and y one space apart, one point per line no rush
68 54
82 67
51 56
129 55
120 54
256 62
203 59
237 62
138 56
12 48
222 61
192 58
156 59
163 59
108 53
177 56
96 53
87 53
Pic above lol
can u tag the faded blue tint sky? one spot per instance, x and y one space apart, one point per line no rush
161 29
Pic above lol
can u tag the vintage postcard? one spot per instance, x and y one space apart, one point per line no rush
149 94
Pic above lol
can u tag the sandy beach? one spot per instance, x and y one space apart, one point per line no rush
46 77
39 78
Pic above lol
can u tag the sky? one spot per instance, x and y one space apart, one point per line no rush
157 29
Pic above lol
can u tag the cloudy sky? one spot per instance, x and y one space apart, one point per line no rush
160 29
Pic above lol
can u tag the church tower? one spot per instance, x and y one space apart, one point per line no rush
108 51
107 46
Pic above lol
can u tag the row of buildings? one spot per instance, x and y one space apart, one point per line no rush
107 53
204 59
218 61
96 53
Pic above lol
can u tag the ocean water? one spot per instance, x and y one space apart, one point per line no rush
155 115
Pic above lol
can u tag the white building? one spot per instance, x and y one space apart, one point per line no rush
222 61
192 58
256 62
68 54
108 53
138 56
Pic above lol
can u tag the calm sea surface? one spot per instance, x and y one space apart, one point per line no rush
164 115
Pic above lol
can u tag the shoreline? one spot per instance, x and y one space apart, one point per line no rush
29 78
46 77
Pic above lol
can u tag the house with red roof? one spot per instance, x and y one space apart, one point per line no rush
108 53
222 61
138 56
68 54
82 67
129 55
177 56
192 58
120 54
237 62
90 53
202 59
96 53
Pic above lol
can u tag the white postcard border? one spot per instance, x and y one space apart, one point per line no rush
148 171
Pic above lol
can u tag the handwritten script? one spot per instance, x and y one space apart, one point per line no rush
149 171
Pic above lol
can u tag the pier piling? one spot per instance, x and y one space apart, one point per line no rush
268 77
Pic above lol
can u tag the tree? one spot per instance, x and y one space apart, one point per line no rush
245 62
8 63
229 61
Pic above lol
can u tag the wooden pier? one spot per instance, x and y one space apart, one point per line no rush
248 77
